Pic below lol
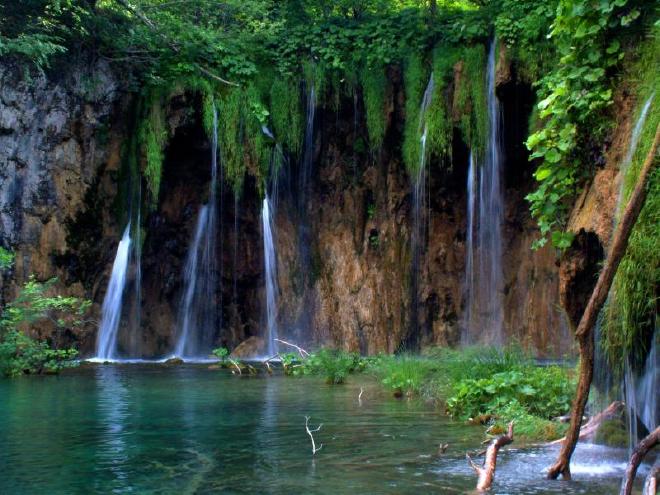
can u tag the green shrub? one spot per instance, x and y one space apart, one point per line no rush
19 353
222 353
542 392
6 258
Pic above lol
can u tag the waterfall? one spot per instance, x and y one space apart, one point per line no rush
270 271
632 148
305 176
197 316
106 348
484 276
419 207
639 389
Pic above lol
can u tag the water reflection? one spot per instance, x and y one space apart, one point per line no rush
112 405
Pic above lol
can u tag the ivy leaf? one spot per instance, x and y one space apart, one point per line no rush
562 240
553 156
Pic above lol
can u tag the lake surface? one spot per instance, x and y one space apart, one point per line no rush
149 429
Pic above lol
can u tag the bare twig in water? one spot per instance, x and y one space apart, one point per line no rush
442 448
360 395
303 353
309 432
487 472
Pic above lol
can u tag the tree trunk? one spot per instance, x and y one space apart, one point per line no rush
487 472
584 332
639 452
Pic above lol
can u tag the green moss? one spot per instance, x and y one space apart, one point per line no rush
630 318
257 144
470 98
612 432
230 137
152 136
415 78
374 84
440 127
286 113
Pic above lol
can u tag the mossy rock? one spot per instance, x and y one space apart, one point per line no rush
612 432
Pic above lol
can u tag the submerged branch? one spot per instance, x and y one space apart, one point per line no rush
310 433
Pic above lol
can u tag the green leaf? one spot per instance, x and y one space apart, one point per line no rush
552 155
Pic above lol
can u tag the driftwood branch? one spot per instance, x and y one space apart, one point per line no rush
639 452
486 473
303 353
173 46
584 332
589 429
235 365
651 483
310 433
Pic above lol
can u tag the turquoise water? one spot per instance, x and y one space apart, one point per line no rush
187 429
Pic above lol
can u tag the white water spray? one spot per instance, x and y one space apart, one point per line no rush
270 271
106 348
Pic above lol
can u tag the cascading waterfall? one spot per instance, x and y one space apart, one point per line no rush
198 316
106 346
305 176
420 204
270 271
306 166
484 275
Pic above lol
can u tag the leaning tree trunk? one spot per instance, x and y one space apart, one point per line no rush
640 451
584 332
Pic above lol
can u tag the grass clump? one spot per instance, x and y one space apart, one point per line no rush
405 374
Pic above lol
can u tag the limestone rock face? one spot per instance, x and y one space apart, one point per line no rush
348 285
59 148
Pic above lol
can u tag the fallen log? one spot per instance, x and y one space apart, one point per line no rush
584 333
639 452
589 429
486 473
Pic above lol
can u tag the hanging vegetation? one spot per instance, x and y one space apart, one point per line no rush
374 85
